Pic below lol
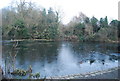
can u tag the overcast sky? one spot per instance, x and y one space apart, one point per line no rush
70 8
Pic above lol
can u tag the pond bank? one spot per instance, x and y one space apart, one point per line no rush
90 75
50 40
30 40
109 75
